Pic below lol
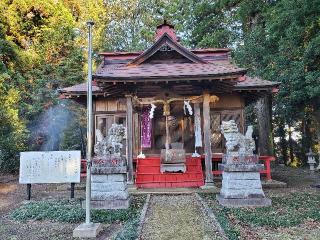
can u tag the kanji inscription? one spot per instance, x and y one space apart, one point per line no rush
50 167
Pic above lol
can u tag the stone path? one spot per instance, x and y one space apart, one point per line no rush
177 217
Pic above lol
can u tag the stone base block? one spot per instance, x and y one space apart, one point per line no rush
243 202
116 195
241 175
109 186
109 204
242 193
131 186
208 185
240 167
242 185
87 230
117 177
108 170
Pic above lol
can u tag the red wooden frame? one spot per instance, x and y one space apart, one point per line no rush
266 161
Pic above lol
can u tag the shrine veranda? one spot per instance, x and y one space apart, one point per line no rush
174 99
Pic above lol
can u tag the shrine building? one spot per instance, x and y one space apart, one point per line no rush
172 101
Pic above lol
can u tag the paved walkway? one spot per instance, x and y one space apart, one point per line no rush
175 217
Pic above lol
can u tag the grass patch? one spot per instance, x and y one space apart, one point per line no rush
286 211
70 211
129 231
221 214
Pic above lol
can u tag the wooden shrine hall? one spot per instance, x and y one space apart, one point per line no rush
172 101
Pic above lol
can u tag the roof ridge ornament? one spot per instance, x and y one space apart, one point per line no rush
165 27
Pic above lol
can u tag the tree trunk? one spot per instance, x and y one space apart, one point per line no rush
283 142
291 154
307 137
263 111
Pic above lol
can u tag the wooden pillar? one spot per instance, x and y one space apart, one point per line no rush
264 116
207 139
129 139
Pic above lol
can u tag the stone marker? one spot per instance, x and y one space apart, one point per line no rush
109 172
241 184
311 160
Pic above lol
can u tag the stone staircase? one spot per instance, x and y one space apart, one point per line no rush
148 174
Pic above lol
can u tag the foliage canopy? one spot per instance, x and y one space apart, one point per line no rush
42 48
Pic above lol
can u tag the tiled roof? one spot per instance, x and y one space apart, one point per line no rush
80 88
168 60
169 44
248 82
166 71
207 54
254 82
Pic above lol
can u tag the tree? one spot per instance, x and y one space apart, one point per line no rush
278 41
12 129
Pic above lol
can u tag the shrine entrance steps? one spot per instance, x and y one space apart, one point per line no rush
148 174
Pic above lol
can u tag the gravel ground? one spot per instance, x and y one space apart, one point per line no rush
35 230
177 217
297 178
307 231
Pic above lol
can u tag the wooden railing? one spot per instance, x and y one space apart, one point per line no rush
266 160
216 159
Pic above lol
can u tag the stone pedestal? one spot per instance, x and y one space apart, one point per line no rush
241 184
85 230
109 184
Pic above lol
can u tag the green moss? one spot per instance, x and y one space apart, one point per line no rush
222 217
70 211
286 211
57 210
129 231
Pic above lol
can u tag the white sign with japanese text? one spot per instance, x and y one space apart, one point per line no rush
50 167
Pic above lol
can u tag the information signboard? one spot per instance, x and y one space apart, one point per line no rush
50 167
